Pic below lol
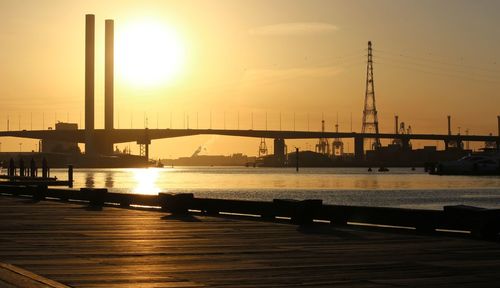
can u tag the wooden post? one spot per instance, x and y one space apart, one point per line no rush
70 176
297 159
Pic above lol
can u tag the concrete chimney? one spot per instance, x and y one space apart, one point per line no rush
89 81
498 119
449 125
109 75
396 120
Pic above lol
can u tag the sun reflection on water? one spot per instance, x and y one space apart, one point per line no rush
146 181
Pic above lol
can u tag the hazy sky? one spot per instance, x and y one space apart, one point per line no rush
432 58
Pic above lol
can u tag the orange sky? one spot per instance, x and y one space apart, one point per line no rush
432 58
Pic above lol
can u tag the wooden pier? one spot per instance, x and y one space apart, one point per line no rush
84 245
29 177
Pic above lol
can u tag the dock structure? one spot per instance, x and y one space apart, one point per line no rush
30 177
84 246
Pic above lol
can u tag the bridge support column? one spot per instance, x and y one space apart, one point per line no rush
104 148
144 150
446 144
279 151
358 148
104 144
405 142
144 142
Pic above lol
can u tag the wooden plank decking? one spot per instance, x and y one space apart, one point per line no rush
118 247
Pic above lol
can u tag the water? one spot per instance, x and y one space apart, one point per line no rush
400 187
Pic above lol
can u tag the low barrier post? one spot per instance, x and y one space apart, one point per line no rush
95 196
178 204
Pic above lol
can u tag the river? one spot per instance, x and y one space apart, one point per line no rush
400 187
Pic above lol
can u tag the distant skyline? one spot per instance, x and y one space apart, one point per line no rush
302 58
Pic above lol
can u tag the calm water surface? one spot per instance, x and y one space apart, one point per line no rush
400 187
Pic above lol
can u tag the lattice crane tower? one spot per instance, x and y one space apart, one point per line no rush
370 120
262 147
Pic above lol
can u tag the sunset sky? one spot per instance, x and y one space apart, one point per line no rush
230 58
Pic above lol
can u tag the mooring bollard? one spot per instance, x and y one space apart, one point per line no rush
40 192
176 203
95 196
301 212
483 223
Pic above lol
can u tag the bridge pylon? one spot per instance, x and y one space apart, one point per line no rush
370 119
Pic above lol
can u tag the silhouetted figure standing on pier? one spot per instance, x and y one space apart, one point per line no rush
21 167
45 168
33 170
12 168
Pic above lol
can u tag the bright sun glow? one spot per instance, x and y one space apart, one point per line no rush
146 181
148 53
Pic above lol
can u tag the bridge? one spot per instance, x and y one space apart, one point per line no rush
102 137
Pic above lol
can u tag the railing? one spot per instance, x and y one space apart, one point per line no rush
480 222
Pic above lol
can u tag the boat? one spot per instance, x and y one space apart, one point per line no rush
469 165
159 164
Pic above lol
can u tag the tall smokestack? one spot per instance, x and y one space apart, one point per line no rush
498 119
89 81
449 125
108 74
396 120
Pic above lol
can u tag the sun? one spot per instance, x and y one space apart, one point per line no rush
148 53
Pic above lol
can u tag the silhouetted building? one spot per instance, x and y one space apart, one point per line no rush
237 159
396 155
54 146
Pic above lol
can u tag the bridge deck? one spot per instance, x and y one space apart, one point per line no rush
145 135
131 248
